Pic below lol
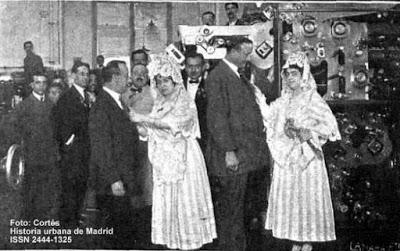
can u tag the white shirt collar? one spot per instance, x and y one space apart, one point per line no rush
233 22
115 95
192 90
80 89
233 67
188 80
37 96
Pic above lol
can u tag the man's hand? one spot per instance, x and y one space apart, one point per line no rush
118 188
232 162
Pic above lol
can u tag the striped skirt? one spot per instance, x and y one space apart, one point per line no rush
300 206
183 214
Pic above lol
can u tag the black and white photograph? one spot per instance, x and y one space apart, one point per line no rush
200 125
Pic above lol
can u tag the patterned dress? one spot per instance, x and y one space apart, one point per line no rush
182 214
300 207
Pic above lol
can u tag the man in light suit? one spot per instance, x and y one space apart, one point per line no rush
236 142
114 156
71 115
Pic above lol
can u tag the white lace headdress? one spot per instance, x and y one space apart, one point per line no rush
164 65
299 59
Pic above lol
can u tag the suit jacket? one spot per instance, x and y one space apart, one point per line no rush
261 81
114 142
238 22
234 123
201 104
71 118
34 127
32 64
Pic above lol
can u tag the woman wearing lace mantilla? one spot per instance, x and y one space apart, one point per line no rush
298 123
182 215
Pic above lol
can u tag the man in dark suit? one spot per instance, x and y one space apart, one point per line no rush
194 82
71 122
208 18
139 56
114 141
231 10
35 130
139 98
32 64
236 142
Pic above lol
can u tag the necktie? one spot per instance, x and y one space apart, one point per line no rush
122 103
242 75
245 80
86 100
136 90
41 99
193 81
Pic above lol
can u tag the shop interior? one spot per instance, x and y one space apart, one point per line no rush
354 50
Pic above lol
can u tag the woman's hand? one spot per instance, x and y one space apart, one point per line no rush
137 117
142 131
304 134
289 129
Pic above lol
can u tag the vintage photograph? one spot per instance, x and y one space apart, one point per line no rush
200 125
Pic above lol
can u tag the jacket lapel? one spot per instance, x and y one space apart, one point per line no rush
110 102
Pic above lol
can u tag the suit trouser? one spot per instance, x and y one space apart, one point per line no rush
40 192
258 183
119 216
237 200
74 177
229 195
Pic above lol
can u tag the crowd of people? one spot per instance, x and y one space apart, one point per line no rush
180 159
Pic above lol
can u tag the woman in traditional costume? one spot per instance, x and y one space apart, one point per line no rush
298 123
182 214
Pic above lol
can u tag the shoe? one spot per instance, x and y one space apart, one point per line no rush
296 247
306 247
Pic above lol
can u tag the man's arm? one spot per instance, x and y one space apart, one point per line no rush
64 122
218 112
39 64
102 153
17 120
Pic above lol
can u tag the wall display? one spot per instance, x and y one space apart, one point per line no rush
363 173
384 58
337 58
211 41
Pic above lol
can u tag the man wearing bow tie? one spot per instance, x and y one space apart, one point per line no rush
194 82
71 124
139 98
